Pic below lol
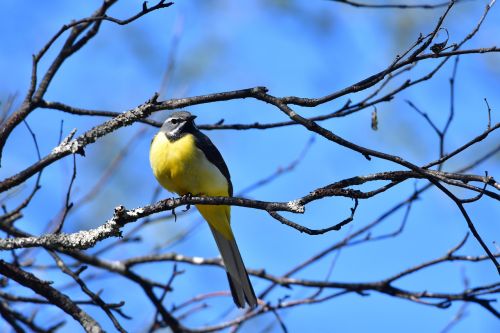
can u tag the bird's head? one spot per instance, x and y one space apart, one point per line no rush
178 124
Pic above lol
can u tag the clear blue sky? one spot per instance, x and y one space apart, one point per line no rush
298 48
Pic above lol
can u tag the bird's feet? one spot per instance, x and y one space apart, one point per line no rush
187 196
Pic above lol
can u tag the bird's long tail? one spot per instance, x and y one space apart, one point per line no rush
241 288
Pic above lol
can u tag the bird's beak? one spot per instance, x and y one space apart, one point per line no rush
192 117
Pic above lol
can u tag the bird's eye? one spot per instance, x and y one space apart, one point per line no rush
174 121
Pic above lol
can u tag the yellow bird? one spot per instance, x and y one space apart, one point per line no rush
185 161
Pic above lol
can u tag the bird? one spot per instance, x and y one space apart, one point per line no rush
185 161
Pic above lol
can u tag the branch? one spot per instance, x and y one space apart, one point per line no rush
121 217
68 146
393 6
70 46
115 267
57 298
309 231
77 145
314 127
34 94
96 299
12 316
88 238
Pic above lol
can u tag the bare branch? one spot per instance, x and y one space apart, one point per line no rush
95 298
393 6
57 298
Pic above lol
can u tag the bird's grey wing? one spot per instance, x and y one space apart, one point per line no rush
214 156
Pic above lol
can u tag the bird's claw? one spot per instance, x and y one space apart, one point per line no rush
187 196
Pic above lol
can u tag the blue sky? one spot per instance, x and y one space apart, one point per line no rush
298 48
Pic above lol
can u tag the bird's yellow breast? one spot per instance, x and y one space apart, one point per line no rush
181 167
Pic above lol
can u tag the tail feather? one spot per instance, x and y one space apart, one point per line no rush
241 287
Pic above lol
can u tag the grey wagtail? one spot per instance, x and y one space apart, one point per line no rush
186 162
